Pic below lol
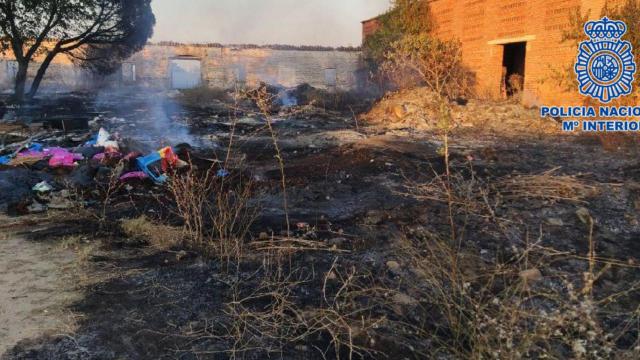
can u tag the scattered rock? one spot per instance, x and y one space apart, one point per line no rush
181 255
60 203
36 208
400 111
402 303
555 222
584 215
339 241
403 299
374 217
394 267
331 275
530 275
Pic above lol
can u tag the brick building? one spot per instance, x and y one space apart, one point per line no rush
370 26
504 37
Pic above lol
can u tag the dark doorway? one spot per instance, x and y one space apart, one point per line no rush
513 65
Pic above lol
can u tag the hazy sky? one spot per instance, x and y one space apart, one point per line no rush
294 22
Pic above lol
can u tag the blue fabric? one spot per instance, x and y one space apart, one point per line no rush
36 147
145 161
222 173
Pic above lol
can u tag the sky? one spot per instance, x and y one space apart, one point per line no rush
291 22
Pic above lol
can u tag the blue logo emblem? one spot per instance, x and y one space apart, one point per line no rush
605 65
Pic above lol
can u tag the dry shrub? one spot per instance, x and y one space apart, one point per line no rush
423 60
270 317
191 192
215 211
265 101
157 235
107 189
232 218
290 245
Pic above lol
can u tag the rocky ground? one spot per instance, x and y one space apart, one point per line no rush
369 257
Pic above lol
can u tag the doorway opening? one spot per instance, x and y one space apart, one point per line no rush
513 66
185 72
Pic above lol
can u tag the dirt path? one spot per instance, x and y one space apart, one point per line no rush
34 290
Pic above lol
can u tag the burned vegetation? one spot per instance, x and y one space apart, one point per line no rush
417 220
238 227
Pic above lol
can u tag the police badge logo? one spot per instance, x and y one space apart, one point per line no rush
605 66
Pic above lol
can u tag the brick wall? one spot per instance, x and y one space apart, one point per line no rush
220 67
484 26
369 27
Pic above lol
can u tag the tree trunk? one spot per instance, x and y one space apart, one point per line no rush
20 81
40 75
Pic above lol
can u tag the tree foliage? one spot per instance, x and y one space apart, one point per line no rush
406 17
404 53
91 32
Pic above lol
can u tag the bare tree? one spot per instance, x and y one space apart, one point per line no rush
34 28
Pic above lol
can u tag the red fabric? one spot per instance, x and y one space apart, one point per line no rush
169 158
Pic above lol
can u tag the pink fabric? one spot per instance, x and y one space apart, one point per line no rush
32 154
62 157
138 175
132 155
59 156
107 156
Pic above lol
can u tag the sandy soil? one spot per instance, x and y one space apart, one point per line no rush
34 290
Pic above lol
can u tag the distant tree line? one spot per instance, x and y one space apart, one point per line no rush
254 46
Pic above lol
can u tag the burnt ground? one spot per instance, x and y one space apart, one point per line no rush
352 192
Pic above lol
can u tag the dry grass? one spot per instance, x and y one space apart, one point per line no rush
202 96
266 319
614 142
293 245
478 309
157 235
489 311
545 186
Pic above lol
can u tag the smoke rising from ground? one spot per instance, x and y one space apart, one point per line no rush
149 116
